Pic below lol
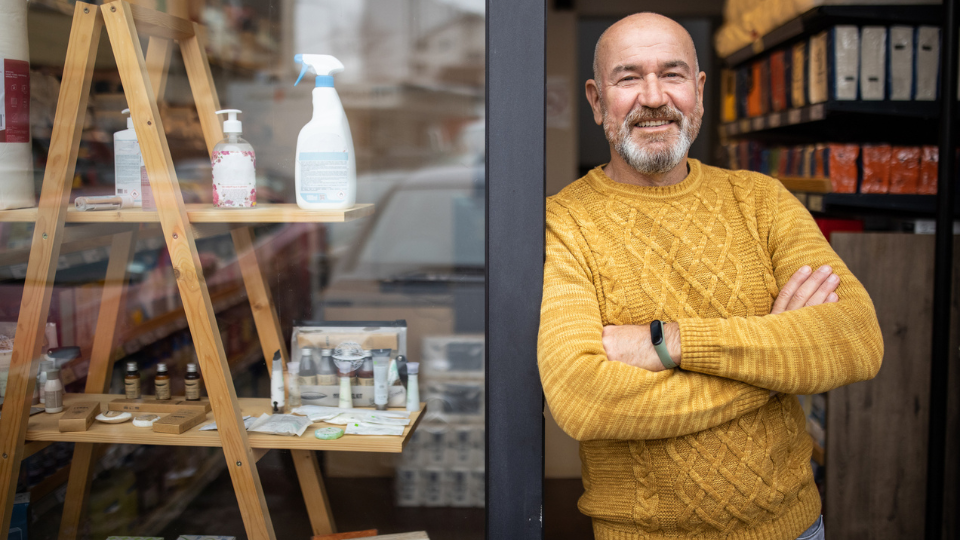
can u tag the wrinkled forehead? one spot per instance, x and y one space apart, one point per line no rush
645 45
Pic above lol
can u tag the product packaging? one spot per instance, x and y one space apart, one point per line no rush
152 405
281 424
369 335
360 428
876 168
204 537
234 167
904 169
179 421
326 166
16 155
929 164
129 170
367 417
247 422
79 416
318 413
843 167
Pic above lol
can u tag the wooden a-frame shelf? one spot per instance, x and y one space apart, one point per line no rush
144 79
205 213
43 427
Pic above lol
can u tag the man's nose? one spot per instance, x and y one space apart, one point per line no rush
651 92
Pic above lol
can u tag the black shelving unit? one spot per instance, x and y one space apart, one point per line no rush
823 17
895 122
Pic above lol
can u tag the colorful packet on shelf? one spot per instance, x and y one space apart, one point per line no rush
876 168
904 169
281 424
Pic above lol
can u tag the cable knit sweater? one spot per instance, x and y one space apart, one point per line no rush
702 451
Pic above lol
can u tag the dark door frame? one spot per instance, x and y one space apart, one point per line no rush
515 146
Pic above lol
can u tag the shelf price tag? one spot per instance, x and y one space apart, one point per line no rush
794 116
774 120
744 125
757 124
815 203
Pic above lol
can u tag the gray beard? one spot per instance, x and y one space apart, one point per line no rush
657 160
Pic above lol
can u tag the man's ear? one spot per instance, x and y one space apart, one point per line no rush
593 97
701 83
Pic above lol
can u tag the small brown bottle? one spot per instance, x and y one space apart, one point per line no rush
161 382
131 383
192 383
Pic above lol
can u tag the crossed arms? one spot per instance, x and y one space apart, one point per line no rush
608 383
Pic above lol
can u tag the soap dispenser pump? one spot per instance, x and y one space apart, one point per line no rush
326 167
234 167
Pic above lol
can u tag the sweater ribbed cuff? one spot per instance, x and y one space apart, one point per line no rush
700 345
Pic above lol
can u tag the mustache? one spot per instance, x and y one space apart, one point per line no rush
646 114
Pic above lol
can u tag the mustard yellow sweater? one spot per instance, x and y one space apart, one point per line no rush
703 451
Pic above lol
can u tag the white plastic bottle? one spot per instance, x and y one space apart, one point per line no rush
326 166
234 167
128 168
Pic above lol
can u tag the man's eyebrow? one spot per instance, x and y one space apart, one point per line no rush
669 64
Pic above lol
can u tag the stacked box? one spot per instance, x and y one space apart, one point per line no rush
443 463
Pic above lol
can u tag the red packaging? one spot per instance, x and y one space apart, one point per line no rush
843 167
929 164
876 168
904 169
756 102
778 82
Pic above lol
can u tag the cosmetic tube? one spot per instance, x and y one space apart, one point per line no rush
381 364
413 387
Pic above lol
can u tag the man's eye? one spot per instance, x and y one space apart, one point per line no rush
671 75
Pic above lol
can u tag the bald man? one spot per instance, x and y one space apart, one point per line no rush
684 308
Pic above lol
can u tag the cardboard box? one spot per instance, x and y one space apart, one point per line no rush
876 168
904 169
929 165
843 167
151 405
179 421
79 416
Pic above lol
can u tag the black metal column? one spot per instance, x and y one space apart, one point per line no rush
516 34
943 275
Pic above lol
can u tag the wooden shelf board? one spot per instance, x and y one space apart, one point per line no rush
43 427
809 185
49 484
204 213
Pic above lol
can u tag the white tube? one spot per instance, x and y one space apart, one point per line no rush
276 383
16 156
380 393
346 396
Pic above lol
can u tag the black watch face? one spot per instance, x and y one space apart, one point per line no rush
656 332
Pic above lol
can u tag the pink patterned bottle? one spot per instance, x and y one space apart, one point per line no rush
234 167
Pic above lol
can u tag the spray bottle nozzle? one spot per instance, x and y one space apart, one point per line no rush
322 65
231 124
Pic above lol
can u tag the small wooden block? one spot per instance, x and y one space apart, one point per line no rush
79 416
179 421
152 405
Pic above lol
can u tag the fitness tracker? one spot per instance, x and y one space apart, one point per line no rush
656 336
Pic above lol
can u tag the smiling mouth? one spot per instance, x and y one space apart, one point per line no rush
653 123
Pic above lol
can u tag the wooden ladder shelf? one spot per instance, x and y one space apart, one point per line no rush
143 81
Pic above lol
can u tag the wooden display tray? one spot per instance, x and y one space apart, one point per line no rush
205 213
149 404
44 427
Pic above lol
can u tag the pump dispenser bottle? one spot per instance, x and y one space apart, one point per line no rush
326 167
234 167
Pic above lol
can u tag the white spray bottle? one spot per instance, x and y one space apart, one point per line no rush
326 166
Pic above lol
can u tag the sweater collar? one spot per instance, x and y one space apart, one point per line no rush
603 183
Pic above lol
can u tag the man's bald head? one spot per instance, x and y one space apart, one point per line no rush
635 22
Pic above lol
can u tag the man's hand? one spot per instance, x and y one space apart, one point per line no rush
631 345
806 288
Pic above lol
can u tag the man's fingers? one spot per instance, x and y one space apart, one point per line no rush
826 289
788 290
809 287
832 297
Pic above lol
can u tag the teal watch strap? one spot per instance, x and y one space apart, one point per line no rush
660 344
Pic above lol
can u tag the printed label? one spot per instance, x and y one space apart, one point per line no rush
364 382
146 193
53 399
126 167
14 101
162 389
323 176
132 388
192 389
234 179
327 380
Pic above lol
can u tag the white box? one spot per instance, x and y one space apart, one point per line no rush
900 71
873 63
927 62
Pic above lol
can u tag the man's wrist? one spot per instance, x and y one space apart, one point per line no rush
671 335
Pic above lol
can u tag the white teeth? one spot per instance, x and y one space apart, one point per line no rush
653 123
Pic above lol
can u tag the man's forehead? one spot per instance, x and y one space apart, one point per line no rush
649 41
